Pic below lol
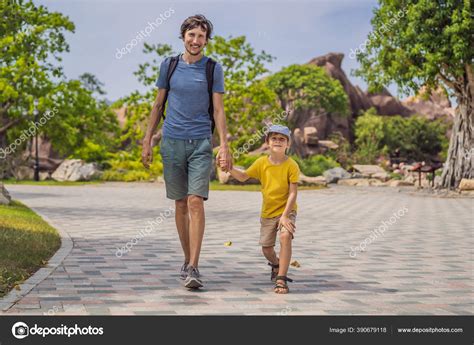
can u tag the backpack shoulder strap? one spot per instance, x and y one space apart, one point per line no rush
171 68
173 63
210 67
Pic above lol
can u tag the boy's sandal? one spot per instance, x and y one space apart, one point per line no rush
273 273
282 286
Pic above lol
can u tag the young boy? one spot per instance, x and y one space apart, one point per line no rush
278 175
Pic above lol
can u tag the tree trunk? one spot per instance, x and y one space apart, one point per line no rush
459 163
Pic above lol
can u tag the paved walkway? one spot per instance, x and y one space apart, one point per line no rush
421 264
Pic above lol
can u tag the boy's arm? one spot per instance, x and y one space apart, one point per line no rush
285 221
239 175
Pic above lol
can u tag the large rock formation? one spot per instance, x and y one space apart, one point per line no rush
314 127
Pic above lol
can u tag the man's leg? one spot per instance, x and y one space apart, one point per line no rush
199 169
176 181
196 227
182 224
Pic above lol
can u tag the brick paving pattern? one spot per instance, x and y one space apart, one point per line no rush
422 264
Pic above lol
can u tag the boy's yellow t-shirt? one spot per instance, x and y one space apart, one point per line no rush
275 180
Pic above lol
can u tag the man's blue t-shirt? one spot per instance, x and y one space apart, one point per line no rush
187 115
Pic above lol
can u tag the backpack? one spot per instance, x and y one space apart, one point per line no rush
210 66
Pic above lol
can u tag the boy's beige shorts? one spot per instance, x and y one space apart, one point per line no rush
269 229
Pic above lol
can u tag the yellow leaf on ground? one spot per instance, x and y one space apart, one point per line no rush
228 244
295 264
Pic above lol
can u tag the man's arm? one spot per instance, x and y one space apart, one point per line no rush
155 117
223 157
290 203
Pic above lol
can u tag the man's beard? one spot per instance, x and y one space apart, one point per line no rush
194 54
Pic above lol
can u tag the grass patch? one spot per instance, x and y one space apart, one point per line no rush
49 182
27 242
215 185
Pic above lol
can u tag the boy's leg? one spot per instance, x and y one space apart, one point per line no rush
182 224
269 253
268 231
285 252
286 238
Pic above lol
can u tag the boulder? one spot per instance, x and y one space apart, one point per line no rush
44 175
399 183
328 144
5 198
382 176
361 182
76 170
355 182
335 174
368 169
358 175
24 172
310 135
466 184
312 181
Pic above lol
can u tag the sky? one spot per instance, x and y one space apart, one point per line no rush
291 31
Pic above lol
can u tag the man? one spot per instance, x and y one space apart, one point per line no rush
186 146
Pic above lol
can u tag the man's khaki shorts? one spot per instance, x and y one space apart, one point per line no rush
269 229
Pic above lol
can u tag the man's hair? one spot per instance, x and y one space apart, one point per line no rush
195 21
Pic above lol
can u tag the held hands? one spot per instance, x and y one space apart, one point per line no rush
287 224
224 159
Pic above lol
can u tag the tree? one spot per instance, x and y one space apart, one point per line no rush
31 80
417 43
305 87
30 39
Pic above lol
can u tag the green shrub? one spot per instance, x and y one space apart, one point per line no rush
395 176
369 132
246 160
127 166
315 165
416 137
92 152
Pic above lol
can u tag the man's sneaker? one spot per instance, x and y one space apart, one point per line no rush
184 271
193 280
